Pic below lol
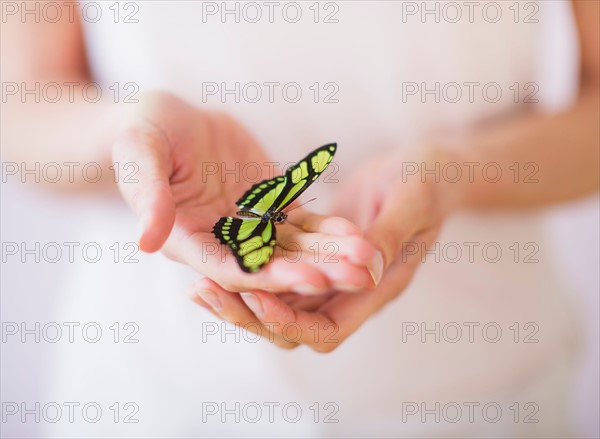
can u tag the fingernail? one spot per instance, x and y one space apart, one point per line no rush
375 267
307 289
357 261
254 304
211 298
143 223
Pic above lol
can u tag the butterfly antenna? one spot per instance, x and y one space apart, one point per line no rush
306 202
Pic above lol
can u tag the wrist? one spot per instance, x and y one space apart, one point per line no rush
444 171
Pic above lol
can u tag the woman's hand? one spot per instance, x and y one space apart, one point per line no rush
190 172
401 216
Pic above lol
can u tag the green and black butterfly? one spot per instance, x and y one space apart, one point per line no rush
252 237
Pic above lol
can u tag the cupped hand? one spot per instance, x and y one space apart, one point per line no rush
192 166
400 216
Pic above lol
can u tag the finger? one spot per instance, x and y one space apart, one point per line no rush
343 259
338 318
357 249
350 311
341 274
333 225
148 192
327 327
207 256
323 245
400 216
197 298
305 303
230 307
314 329
290 298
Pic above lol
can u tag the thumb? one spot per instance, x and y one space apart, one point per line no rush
383 233
396 220
142 157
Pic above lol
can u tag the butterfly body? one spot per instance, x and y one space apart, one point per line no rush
270 215
252 236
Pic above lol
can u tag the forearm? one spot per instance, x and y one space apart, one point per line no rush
44 62
564 148
78 131
543 159
36 134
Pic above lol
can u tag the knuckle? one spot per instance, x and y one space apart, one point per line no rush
350 228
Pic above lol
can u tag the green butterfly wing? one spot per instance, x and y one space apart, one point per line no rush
251 240
300 176
262 196
280 192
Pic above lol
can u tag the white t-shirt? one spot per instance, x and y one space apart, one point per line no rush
471 327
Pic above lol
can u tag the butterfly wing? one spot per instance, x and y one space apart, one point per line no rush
252 241
262 196
300 176
280 192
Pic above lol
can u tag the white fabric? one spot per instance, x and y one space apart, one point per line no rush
369 53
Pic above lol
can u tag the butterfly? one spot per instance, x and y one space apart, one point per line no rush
252 237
